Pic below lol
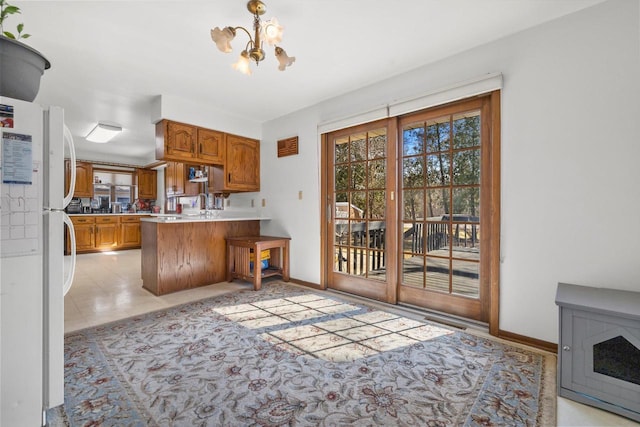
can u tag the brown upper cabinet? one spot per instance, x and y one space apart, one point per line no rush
84 178
241 169
147 183
187 143
210 146
176 182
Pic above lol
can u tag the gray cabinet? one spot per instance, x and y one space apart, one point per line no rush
599 348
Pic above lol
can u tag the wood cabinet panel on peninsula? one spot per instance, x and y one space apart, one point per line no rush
84 178
185 255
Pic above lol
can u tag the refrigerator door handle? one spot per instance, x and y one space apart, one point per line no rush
72 268
68 138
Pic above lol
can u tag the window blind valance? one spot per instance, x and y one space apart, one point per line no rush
466 89
356 119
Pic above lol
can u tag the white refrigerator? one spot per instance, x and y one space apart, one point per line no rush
34 273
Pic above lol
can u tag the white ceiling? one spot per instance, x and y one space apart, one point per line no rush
110 59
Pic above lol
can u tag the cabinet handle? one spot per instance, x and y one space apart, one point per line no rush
200 149
566 348
229 178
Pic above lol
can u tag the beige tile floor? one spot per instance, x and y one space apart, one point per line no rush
108 287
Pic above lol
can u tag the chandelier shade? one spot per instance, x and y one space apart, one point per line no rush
222 38
263 31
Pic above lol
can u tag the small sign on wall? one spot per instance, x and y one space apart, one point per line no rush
288 147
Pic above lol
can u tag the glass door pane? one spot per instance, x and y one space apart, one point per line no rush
359 198
440 204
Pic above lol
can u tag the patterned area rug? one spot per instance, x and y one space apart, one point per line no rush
287 356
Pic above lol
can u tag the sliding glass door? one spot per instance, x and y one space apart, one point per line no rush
359 188
442 211
413 209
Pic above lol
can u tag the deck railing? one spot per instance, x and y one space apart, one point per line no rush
363 245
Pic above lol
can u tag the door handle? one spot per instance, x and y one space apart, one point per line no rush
72 269
68 138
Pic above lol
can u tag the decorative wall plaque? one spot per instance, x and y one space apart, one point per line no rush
288 147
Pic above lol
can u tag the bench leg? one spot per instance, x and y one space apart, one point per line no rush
230 263
257 268
285 261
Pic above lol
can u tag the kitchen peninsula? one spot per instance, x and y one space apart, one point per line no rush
182 252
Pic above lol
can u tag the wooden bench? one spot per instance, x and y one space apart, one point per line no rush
239 250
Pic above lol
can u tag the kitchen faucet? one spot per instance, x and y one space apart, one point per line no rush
204 205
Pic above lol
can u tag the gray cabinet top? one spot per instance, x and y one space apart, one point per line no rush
603 300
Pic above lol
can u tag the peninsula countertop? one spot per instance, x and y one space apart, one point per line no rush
212 216
112 214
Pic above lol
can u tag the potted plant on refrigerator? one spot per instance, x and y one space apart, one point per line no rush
21 66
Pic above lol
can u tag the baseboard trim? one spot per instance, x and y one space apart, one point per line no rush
532 342
307 284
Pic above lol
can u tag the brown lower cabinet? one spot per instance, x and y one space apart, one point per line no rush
107 228
130 232
105 233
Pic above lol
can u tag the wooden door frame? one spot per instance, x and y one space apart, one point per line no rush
494 217
389 294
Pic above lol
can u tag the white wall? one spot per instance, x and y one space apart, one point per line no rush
212 116
570 154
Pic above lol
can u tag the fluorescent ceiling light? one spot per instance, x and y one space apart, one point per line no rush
103 133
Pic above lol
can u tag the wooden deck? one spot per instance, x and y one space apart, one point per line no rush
465 274
465 277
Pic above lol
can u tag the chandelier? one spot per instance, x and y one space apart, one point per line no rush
269 31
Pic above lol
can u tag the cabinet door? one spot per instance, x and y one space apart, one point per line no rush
147 183
107 228
180 141
84 227
130 232
242 166
211 146
85 237
84 178
174 179
190 188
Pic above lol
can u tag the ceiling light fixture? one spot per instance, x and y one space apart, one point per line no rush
103 133
269 31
